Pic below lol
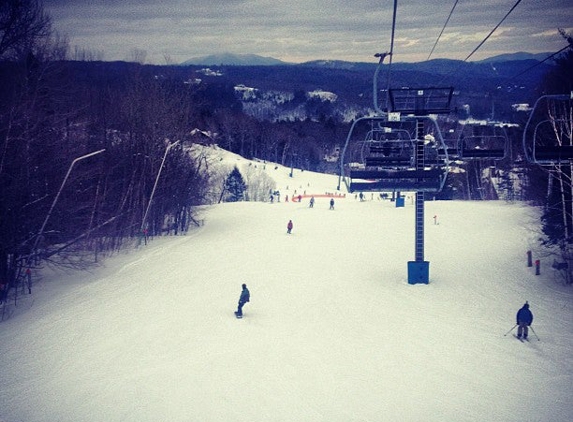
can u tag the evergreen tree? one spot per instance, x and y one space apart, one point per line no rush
235 186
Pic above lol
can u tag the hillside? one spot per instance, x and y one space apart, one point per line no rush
484 87
333 331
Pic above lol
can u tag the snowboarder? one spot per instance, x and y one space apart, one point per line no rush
289 226
244 298
524 319
331 203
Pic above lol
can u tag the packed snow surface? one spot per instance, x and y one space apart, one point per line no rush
333 331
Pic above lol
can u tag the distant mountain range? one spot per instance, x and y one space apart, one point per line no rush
275 88
230 59
517 56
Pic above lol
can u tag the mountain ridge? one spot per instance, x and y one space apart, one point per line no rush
232 59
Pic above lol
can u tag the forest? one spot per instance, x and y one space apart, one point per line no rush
95 156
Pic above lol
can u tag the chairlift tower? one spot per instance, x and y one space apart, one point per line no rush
420 103
400 162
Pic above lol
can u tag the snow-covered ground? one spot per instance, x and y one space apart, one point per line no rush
333 331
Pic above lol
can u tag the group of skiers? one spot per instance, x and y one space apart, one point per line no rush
311 205
524 315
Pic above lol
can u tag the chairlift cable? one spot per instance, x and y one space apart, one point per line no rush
445 24
538 63
391 53
492 31
486 38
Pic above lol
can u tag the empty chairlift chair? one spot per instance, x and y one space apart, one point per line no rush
547 138
483 142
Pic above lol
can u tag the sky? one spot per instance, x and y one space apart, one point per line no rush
333 331
173 31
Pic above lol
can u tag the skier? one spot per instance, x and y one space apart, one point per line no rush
331 203
245 297
289 226
524 319
311 205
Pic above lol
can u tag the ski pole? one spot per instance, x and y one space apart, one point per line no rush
510 330
533 331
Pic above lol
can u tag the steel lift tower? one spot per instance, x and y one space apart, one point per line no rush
394 162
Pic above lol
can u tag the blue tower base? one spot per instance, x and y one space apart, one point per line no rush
400 202
418 272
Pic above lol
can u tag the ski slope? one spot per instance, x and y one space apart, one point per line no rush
333 331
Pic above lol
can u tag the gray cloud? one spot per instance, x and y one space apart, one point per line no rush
302 30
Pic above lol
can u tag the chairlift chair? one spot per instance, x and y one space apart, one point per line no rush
547 141
483 142
388 159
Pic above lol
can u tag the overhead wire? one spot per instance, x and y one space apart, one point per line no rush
538 63
391 52
381 57
483 41
442 31
492 31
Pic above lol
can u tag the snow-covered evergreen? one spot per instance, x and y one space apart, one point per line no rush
235 186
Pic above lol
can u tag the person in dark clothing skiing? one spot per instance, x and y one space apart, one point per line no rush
524 319
289 226
245 297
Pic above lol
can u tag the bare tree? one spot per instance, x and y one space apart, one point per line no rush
558 214
23 25
137 55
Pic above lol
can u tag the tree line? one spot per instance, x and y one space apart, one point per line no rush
94 155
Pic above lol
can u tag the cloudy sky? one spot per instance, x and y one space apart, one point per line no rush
172 31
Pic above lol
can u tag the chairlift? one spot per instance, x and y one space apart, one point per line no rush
388 144
482 142
451 149
387 159
547 141
424 169
421 101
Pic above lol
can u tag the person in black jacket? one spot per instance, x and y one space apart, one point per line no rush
245 297
524 319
